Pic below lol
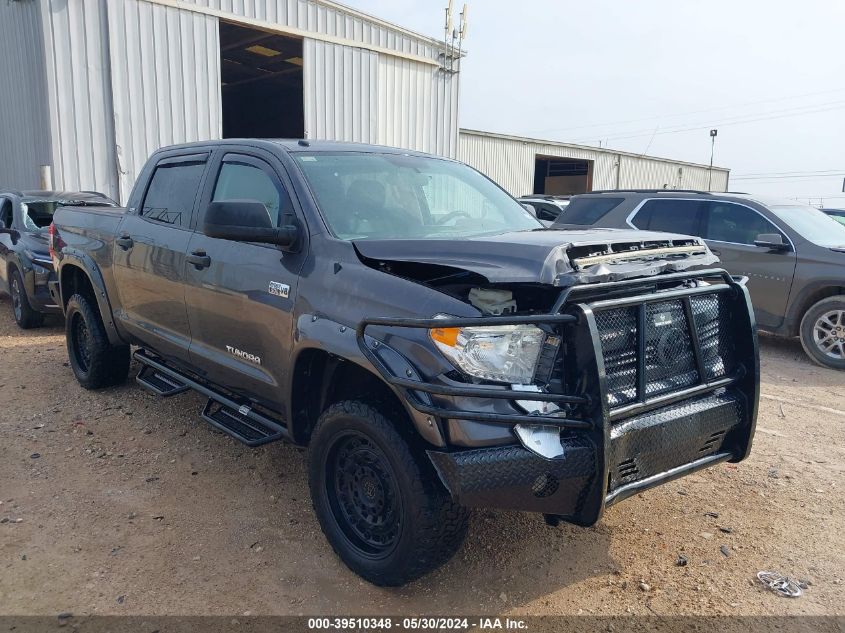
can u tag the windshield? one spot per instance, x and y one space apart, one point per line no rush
813 225
395 196
38 214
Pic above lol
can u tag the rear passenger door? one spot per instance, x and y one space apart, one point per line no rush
149 255
240 302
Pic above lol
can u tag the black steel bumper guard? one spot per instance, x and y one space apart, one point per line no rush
592 473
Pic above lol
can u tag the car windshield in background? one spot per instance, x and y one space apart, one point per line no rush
38 212
812 225
836 214
396 196
587 211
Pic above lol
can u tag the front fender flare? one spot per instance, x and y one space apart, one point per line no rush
337 339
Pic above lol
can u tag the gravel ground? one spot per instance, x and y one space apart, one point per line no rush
120 503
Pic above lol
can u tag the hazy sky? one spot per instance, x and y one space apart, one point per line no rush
637 75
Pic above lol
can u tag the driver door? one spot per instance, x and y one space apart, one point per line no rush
730 231
240 295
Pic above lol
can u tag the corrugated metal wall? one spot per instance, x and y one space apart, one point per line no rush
340 86
417 106
510 162
24 117
80 101
325 17
165 78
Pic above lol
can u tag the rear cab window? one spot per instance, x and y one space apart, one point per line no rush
588 211
172 190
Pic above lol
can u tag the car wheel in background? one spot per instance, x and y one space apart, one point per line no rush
25 316
95 362
823 332
380 504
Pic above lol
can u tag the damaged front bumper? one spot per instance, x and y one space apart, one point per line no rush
655 378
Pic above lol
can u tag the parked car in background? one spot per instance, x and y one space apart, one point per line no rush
411 323
546 208
25 264
792 254
836 214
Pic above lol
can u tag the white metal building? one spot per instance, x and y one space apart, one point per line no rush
530 166
92 87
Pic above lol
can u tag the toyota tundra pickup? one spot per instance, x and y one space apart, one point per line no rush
434 346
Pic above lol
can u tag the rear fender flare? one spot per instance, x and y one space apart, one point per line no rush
81 260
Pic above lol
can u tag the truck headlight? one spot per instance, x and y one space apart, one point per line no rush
503 353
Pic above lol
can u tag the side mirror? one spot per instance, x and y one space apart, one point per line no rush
247 221
772 241
530 209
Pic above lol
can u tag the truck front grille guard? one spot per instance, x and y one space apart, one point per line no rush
556 317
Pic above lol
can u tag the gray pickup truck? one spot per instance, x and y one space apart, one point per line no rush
431 342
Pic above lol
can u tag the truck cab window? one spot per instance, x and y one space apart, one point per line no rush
170 196
238 181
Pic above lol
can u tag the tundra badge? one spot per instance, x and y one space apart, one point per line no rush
234 351
279 289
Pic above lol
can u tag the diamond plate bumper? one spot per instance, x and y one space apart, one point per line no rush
643 452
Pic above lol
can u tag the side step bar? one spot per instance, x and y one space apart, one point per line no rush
244 424
159 383
233 418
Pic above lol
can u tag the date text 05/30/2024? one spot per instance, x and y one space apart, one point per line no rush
416 624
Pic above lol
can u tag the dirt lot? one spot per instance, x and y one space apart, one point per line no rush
121 503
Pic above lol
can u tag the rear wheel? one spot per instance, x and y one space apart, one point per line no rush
96 363
25 316
379 503
823 332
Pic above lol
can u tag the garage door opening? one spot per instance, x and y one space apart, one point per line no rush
261 83
562 176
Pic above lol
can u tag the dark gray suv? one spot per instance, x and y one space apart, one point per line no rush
792 254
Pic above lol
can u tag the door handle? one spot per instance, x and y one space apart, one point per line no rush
199 259
124 241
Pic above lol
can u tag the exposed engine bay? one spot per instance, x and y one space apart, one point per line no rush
512 273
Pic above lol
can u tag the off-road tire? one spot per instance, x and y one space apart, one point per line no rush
808 323
96 363
24 314
431 527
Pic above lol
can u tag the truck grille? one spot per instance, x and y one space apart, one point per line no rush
668 356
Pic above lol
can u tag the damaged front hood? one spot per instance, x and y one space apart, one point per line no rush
555 257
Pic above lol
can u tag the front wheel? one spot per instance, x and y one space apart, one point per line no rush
823 332
96 363
379 503
25 316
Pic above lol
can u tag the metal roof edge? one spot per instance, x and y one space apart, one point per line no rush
605 150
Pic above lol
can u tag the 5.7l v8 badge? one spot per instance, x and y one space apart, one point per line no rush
279 289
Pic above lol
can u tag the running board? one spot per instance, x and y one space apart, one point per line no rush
244 424
233 418
159 383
